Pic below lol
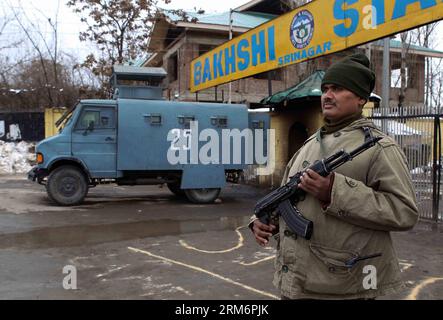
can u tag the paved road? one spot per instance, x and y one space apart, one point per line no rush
144 243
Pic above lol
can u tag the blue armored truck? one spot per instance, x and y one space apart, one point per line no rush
139 138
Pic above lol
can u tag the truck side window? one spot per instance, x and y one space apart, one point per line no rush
102 119
107 118
88 117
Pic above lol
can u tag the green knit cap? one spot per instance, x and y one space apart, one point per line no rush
352 73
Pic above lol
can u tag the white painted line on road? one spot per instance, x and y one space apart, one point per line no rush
207 272
116 268
256 262
405 266
415 292
238 246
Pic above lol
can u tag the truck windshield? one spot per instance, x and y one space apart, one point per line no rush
66 118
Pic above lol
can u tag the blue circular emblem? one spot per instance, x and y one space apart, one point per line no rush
302 29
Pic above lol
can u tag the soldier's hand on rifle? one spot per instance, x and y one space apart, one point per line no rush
262 232
320 187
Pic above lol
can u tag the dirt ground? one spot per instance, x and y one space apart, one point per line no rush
144 243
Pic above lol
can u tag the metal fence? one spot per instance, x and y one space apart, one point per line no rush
418 131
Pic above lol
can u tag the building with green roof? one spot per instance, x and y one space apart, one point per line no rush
175 42
291 94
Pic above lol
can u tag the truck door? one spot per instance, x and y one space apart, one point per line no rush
94 140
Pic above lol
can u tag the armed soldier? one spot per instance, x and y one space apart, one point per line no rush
352 209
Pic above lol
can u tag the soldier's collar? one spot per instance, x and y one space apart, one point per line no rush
331 127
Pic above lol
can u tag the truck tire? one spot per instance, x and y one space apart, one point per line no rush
202 195
175 189
67 186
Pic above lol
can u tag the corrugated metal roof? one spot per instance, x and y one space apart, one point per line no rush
240 19
397 45
310 87
249 19
140 71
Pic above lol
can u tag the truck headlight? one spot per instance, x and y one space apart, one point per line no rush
40 158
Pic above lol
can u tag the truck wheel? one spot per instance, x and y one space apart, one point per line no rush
202 195
67 186
175 189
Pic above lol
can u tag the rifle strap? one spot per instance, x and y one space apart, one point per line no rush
366 130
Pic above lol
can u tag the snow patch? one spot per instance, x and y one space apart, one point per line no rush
15 157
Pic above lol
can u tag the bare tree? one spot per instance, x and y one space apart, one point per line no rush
405 45
7 43
436 85
27 85
120 29
4 22
425 36
45 49
48 77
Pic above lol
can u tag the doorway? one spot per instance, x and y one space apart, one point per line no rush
298 134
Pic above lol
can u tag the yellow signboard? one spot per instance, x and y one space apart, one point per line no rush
318 28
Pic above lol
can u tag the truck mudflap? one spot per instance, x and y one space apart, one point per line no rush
38 174
203 177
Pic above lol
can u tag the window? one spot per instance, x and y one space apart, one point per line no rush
173 67
156 119
186 121
89 118
98 119
396 78
220 121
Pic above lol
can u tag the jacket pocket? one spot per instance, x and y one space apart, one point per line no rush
327 272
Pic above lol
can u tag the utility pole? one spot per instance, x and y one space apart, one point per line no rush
386 83
368 51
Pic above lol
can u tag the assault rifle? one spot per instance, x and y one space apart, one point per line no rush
286 197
